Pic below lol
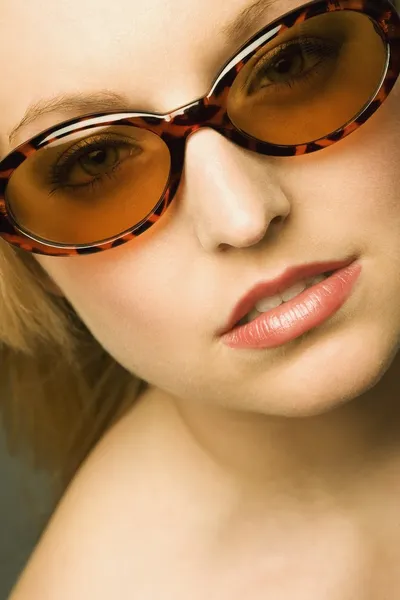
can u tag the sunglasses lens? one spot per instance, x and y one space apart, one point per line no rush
89 186
310 80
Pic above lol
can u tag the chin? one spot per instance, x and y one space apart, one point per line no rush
325 374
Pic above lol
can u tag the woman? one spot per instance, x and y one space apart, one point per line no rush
205 300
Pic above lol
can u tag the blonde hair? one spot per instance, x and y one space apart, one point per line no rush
61 390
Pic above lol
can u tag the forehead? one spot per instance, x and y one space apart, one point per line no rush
126 46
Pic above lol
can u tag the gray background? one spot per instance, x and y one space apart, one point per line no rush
25 506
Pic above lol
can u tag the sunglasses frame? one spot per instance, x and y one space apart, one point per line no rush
209 111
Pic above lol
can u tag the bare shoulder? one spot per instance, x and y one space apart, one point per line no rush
82 533
120 519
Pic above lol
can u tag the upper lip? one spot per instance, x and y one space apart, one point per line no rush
285 280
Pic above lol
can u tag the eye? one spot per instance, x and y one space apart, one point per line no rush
91 160
96 162
291 62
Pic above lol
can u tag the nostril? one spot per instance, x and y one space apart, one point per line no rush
223 247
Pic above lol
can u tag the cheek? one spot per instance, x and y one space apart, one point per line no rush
107 292
354 185
134 299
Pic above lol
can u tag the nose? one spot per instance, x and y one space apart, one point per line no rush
232 195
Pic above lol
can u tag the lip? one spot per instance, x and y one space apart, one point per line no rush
285 280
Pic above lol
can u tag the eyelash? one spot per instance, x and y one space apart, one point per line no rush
316 46
58 172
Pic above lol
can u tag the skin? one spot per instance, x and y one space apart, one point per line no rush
277 447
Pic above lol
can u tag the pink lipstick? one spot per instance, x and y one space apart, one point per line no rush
295 317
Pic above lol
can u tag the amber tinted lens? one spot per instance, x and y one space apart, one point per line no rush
310 80
89 186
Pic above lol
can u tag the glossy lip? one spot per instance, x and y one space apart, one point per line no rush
289 277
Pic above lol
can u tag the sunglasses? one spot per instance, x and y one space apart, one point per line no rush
301 84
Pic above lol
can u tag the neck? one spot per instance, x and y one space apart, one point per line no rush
301 457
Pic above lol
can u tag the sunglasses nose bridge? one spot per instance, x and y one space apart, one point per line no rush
205 112
192 129
176 136
177 142
178 129
185 125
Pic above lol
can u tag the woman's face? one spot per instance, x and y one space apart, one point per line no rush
156 303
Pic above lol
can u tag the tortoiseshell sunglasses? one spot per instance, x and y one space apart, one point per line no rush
304 82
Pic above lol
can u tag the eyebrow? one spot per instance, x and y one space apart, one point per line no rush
241 25
97 102
106 100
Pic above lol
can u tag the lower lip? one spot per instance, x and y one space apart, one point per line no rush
297 316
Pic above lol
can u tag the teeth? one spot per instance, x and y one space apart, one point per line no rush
294 291
316 279
273 301
268 303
